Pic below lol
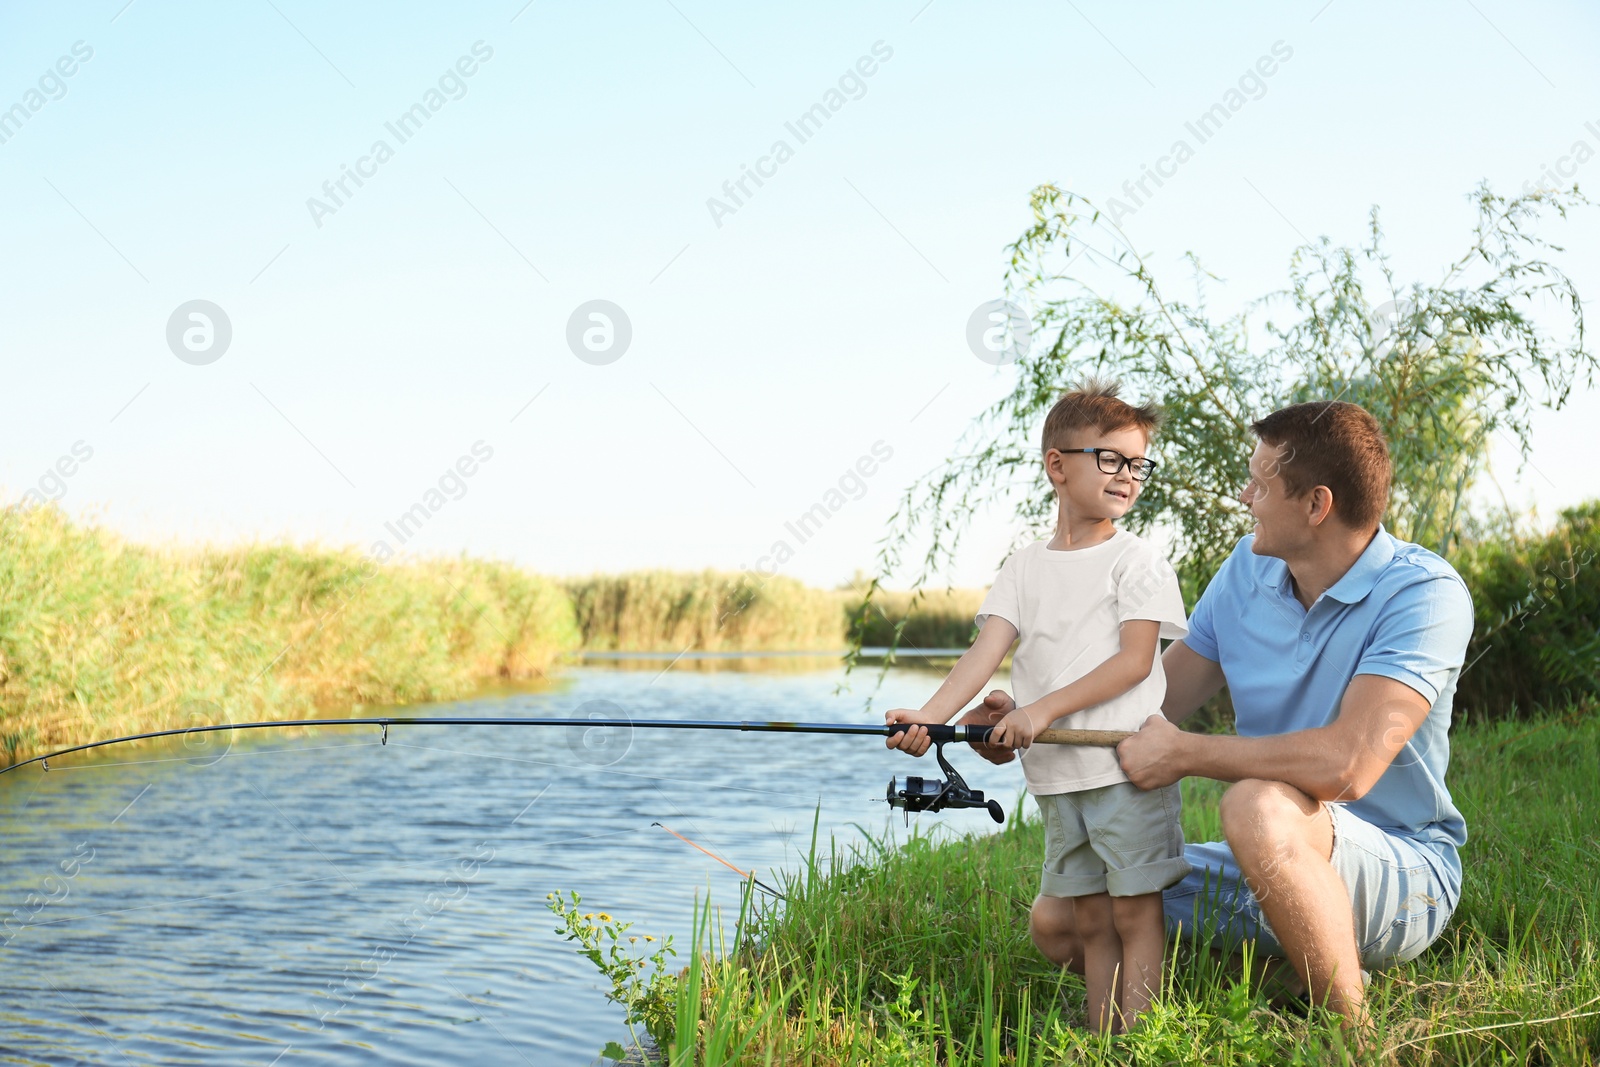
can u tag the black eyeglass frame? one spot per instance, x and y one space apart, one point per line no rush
1140 469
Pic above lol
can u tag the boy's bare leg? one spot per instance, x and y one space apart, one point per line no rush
1055 933
1053 924
1054 928
1283 840
1102 958
1143 934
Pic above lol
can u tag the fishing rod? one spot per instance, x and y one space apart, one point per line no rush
912 793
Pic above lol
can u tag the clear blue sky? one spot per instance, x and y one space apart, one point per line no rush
825 314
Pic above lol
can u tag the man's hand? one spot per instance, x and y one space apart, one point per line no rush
1015 731
1153 757
996 706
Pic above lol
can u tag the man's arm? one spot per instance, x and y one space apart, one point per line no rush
1191 681
1340 761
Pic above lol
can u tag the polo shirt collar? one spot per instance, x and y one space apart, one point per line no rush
1277 572
1355 583
1363 574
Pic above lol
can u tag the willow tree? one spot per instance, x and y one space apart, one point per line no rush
1443 365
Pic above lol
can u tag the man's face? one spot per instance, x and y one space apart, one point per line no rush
1281 523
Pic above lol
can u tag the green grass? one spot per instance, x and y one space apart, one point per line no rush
920 955
99 637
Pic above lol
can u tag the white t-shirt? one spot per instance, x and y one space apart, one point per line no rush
1068 608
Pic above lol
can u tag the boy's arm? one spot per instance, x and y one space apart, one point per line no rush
971 672
1124 669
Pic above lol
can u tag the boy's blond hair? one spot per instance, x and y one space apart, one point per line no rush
1093 403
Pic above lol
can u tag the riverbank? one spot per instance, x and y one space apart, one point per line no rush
711 611
921 954
101 637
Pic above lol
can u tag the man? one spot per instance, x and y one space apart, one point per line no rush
1340 647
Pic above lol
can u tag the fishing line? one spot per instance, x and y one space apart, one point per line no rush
750 875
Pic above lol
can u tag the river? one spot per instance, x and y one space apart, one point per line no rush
289 899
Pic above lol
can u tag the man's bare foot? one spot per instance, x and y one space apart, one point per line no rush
1363 1042
1286 990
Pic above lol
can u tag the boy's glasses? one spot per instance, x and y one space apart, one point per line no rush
1111 462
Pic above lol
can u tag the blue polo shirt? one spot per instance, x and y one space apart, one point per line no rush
1401 612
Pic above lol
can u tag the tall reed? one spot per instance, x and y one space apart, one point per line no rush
658 610
931 618
671 611
99 636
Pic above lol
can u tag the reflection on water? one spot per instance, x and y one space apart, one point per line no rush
873 661
327 899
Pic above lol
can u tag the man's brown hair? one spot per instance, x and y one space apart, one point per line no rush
1093 403
1334 444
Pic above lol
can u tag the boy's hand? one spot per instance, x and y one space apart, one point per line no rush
1013 731
913 740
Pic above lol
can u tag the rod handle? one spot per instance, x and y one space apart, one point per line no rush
1102 738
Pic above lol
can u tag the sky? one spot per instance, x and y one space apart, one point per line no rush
424 335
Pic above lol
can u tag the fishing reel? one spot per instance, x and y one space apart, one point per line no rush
931 794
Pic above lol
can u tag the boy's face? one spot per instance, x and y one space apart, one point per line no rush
1090 492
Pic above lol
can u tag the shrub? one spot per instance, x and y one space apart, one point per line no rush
1537 600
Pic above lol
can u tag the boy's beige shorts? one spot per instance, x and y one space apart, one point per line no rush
1116 839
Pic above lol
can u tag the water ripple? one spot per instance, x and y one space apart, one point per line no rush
309 896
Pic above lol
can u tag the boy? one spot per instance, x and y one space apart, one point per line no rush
1088 606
